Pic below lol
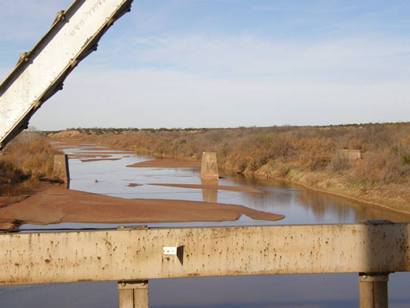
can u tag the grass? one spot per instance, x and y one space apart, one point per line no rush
26 160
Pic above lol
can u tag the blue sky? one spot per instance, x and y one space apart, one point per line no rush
214 63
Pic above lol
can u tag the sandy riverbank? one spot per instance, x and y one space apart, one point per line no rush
58 205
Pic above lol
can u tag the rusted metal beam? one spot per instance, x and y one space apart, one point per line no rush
138 254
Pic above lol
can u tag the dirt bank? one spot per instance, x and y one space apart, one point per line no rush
58 205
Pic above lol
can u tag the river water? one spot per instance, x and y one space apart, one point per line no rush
299 205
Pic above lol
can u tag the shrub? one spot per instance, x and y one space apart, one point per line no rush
28 157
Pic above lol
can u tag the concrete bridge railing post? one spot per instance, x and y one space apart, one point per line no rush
373 290
133 294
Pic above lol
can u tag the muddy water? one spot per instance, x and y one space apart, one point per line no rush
300 206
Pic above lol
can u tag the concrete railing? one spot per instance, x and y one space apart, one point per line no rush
133 256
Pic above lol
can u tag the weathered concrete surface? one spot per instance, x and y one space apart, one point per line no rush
374 291
123 255
133 294
61 168
209 166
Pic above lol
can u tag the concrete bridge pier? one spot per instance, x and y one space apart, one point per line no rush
209 166
133 294
374 290
61 170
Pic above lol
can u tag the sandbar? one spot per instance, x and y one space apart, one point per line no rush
134 185
166 163
87 160
105 152
210 186
86 156
58 205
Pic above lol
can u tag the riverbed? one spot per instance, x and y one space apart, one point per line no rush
111 176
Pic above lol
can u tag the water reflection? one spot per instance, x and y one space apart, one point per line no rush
320 206
209 195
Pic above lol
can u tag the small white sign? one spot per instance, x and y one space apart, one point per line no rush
170 251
